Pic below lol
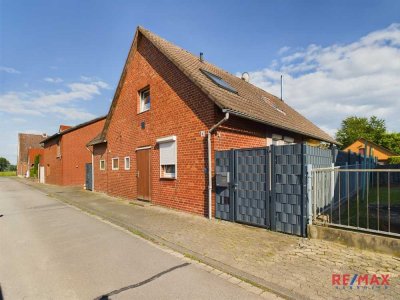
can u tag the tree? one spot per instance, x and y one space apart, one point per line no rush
353 128
4 164
391 141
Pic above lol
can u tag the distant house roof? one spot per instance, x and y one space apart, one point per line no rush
70 129
64 127
27 141
375 146
230 93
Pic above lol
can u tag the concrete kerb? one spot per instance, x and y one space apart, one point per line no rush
238 276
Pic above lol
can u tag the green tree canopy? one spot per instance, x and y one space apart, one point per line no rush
4 164
391 141
353 128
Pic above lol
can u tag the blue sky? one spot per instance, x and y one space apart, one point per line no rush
60 61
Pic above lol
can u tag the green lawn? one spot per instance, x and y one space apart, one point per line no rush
368 214
8 173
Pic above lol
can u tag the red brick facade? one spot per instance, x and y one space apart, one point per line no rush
26 141
178 108
66 155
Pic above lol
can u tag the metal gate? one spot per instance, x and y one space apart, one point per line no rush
89 176
243 185
265 187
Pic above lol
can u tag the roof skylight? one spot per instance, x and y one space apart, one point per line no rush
219 81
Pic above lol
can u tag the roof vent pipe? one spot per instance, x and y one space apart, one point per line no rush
201 57
246 77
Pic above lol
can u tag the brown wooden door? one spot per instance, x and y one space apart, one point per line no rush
143 174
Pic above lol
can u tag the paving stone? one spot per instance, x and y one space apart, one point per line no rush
234 280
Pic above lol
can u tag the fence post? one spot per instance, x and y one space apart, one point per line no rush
332 187
311 201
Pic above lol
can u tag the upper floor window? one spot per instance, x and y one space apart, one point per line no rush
144 99
58 149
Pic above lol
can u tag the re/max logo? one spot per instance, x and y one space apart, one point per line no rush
348 280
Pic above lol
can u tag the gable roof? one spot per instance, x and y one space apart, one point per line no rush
375 146
248 102
60 133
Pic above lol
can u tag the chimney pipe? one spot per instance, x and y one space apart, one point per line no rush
201 57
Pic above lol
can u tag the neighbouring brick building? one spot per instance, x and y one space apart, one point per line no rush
26 142
66 154
154 144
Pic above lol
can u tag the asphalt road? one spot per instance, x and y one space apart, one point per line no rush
49 250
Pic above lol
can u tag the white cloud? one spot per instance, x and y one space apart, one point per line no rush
327 84
61 102
283 50
9 70
53 80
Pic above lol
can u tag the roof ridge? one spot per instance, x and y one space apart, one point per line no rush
141 29
73 128
247 101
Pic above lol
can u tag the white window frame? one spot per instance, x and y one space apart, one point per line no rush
104 162
169 139
142 107
129 164
112 163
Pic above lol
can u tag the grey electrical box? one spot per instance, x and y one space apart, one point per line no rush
222 179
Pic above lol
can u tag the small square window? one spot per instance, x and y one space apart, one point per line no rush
144 100
102 164
127 161
115 163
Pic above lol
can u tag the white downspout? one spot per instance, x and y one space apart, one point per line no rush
210 163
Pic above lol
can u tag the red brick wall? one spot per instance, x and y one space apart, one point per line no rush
26 141
100 176
178 108
74 153
70 168
53 165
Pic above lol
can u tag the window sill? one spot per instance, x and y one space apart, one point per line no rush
142 112
168 178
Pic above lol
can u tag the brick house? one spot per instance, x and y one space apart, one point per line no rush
26 141
66 154
172 109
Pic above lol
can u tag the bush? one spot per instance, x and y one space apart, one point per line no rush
394 160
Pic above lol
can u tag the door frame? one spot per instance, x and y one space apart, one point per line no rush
144 148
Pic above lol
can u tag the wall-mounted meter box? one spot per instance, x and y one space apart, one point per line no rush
222 179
